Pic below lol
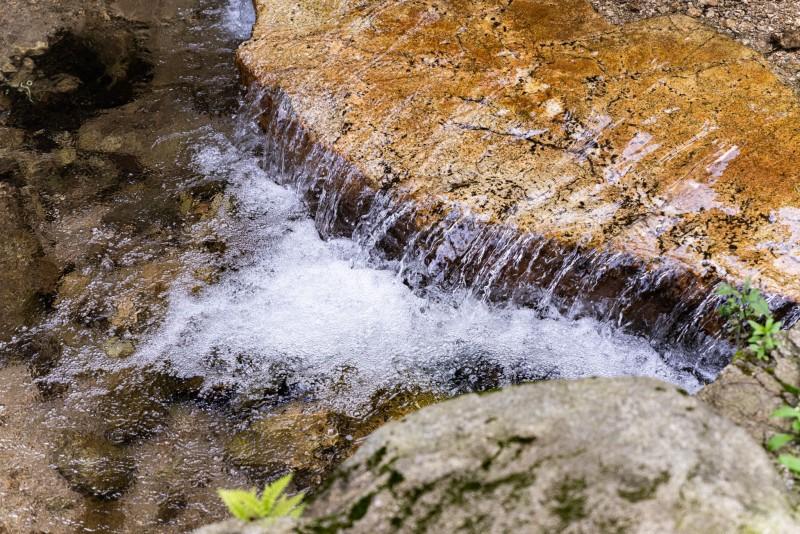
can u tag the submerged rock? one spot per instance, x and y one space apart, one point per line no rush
99 124
311 439
94 466
27 276
137 400
598 455
296 438
660 143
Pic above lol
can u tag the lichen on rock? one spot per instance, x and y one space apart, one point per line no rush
597 455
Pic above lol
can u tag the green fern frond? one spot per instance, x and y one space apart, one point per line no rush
272 503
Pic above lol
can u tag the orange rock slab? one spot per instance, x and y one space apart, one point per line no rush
661 139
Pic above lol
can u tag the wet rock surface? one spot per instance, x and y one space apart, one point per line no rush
310 439
105 212
94 466
748 392
630 455
102 214
29 276
289 440
541 146
766 25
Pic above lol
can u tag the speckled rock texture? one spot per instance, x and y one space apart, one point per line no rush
602 455
660 140
769 26
748 393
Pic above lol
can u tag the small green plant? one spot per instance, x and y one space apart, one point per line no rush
749 320
248 505
779 441
763 338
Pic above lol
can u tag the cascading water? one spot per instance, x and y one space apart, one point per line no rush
327 296
311 310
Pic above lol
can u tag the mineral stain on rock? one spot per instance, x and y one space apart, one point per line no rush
660 140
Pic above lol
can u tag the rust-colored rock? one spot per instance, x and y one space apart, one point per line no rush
661 141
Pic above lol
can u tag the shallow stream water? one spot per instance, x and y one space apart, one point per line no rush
255 310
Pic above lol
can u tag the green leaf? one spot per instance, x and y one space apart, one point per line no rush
791 389
242 504
248 505
272 491
757 328
786 412
285 506
758 305
725 290
778 440
790 461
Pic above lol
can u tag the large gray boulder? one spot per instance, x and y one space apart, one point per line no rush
602 455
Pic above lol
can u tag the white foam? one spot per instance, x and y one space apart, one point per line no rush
316 307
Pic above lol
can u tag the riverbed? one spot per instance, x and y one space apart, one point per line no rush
198 298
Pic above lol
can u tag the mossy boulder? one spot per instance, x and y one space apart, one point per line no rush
597 455
748 392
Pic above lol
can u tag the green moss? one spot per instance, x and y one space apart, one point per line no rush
335 523
516 480
477 524
395 478
360 509
502 444
375 460
457 492
613 526
520 440
645 490
570 501
409 500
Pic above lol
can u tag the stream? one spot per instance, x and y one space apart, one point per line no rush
254 312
